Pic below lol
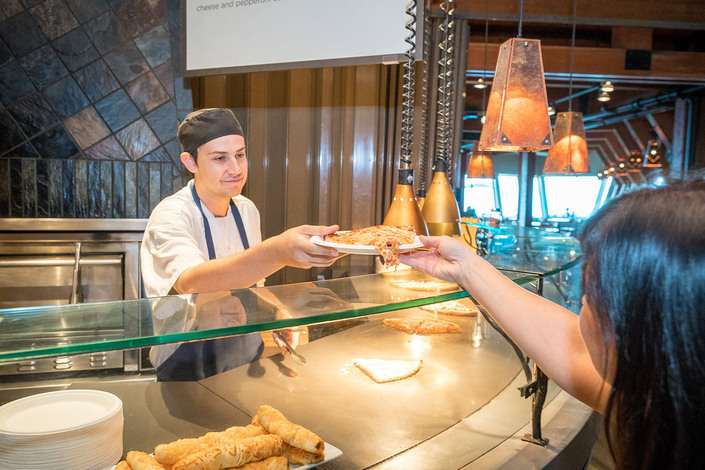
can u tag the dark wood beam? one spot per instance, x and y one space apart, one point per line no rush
595 63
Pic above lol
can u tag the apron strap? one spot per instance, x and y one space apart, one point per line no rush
207 228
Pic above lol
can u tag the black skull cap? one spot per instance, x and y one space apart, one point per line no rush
205 125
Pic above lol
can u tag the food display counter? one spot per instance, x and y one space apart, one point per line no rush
466 407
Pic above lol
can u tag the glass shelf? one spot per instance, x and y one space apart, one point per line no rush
48 331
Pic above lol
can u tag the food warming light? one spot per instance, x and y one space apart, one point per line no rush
440 208
404 209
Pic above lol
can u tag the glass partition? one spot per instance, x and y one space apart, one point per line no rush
130 324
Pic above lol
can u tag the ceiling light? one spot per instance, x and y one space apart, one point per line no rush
606 86
480 163
551 110
570 154
603 97
480 83
517 109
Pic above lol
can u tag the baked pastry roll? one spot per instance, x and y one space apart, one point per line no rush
298 456
123 465
234 454
272 463
142 461
298 436
172 452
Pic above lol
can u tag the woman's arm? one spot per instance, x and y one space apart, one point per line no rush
548 333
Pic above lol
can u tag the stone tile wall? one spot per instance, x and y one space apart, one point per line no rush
90 99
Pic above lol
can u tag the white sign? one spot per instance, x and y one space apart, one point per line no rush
280 34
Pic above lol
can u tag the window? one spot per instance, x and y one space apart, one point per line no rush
572 196
478 196
509 195
553 196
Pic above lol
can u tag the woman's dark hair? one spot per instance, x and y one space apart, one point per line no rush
643 275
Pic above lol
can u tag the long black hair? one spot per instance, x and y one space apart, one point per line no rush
643 275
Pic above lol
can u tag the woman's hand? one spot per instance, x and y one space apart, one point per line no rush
447 258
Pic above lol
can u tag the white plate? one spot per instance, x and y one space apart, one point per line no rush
332 453
56 412
362 249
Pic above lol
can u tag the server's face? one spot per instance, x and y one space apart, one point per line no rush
221 169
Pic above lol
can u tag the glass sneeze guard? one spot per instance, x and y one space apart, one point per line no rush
180 318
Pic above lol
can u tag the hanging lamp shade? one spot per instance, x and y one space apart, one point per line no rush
480 163
653 156
440 209
517 109
404 209
569 155
621 168
634 163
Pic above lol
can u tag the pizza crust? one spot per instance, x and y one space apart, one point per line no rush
383 371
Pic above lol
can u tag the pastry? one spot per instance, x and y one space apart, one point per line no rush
174 451
293 434
235 454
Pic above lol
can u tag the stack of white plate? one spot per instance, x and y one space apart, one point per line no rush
68 429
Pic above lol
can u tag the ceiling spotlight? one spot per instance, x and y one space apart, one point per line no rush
606 86
480 83
551 110
603 96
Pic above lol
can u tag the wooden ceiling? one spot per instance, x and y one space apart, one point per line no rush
609 35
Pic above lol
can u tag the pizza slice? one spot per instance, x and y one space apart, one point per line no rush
382 370
389 250
452 307
415 326
387 239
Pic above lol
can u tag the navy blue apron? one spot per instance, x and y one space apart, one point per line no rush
201 359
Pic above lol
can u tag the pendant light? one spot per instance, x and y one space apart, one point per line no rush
480 163
570 154
634 164
517 111
653 156
440 208
404 210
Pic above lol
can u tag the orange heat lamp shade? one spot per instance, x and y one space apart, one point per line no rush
440 208
404 209
480 163
570 154
517 109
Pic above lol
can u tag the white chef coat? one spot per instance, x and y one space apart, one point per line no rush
175 239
